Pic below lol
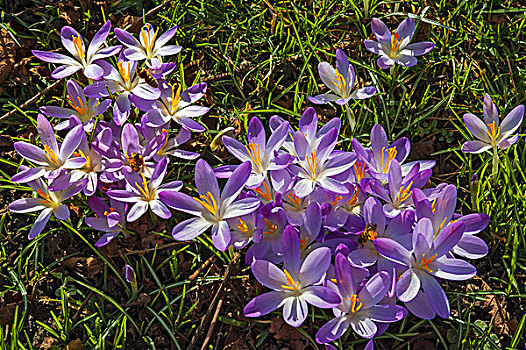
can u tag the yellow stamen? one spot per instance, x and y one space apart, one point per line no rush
340 82
208 201
109 212
50 155
242 227
333 280
270 228
355 301
144 189
254 153
312 162
359 170
426 262
391 154
148 40
396 41
176 98
354 199
492 133
82 155
125 71
335 201
292 137
77 42
164 131
434 205
441 225
265 192
291 284
294 200
47 197
405 193
79 107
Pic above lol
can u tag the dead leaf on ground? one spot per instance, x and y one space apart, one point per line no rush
282 331
47 343
7 54
75 345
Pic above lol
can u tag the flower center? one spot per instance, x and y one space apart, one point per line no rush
82 155
109 212
492 133
396 41
294 199
270 228
265 192
47 197
79 107
356 304
340 82
145 189
208 201
303 243
354 199
147 38
404 192
391 154
291 284
312 163
425 262
51 156
242 227
125 70
77 41
161 150
369 234
254 153
335 201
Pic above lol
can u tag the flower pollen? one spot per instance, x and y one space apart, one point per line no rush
396 42
270 228
312 162
144 189
254 153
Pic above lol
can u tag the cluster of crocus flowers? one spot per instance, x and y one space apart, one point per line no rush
121 165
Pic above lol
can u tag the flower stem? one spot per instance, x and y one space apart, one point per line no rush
350 116
495 165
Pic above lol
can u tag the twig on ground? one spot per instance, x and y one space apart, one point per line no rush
202 267
218 296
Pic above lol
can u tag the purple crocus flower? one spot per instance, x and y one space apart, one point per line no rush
85 110
50 202
125 81
492 133
296 285
341 81
110 219
441 213
211 209
88 60
144 193
52 160
394 47
269 247
158 69
148 46
246 229
260 153
167 146
426 262
361 307
318 165
174 104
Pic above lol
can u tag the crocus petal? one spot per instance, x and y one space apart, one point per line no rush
126 38
374 46
221 235
387 313
71 142
406 29
93 71
146 92
321 297
323 98
123 196
304 187
168 50
290 250
269 274
365 328
29 174
53 57
435 295
264 304
315 266
490 111
407 286
506 143
420 307
393 251
236 183
205 180
385 62
476 127
375 289
121 109
137 210
295 311
277 138
418 49
190 124
47 135
471 247
189 229
380 31
98 39
160 209
512 121
181 202
40 222
475 147
363 93
454 269
448 238
61 212
65 71
31 153
106 238
26 205
332 330
328 76
406 60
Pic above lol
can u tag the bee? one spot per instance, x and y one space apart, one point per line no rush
148 77
368 234
136 161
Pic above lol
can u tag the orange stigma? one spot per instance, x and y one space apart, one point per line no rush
77 42
492 133
147 38
356 305
51 156
254 153
396 42
270 228
340 82
47 197
391 154
208 201
291 284
79 107
426 262
312 162
405 193
265 192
